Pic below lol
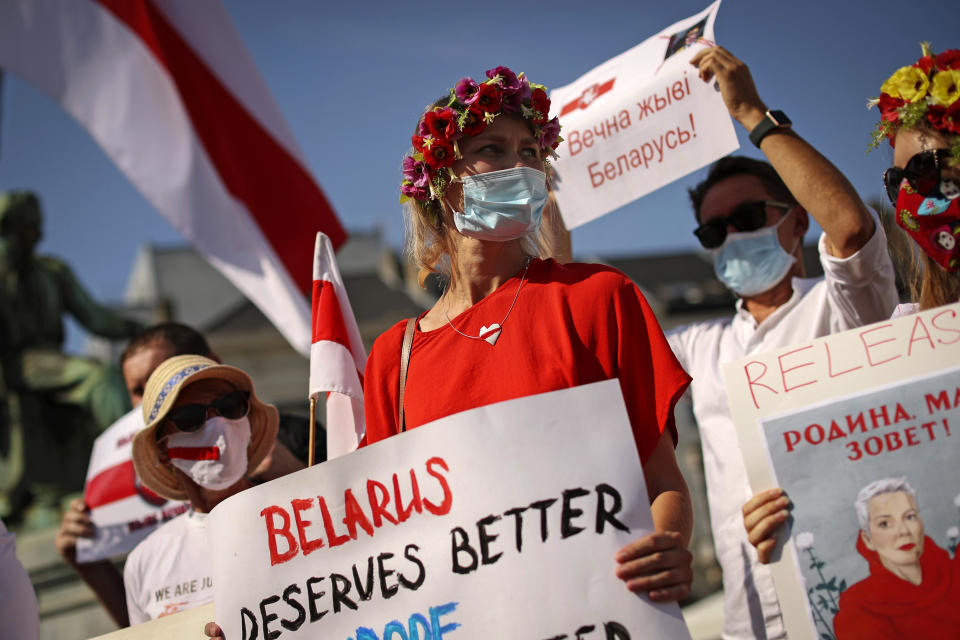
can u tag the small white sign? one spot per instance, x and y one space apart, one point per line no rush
638 122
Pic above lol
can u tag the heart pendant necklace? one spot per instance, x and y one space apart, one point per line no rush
492 333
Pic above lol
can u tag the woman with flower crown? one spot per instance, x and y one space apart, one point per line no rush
920 117
511 324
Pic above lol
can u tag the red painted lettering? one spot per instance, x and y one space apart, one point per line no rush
307 545
353 515
792 438
378 503
783 372
911 434
269 514
873 445
415 504
952 314
918 323
893 440
826 346
815 429
751 381
333 538
444 506
868 346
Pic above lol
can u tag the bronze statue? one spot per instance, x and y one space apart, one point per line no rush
52 404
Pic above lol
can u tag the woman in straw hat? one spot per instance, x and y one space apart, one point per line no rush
206 430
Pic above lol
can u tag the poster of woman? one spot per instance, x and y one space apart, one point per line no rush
861 431
914 585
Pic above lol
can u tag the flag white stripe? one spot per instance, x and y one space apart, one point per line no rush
331 365
345 412
102 74
209 30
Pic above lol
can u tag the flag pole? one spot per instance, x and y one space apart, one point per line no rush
312 448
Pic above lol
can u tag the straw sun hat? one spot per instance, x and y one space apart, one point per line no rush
159 396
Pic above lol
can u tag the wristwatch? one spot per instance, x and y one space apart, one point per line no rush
772 120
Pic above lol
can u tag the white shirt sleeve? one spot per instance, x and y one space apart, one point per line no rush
132 584
861 289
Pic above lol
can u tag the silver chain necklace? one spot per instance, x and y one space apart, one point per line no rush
492 333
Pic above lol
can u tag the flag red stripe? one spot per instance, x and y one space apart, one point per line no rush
328 321
112 484
194 453
287 205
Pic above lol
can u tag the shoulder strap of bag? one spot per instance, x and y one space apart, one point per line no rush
404 363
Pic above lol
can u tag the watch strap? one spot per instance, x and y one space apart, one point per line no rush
772 120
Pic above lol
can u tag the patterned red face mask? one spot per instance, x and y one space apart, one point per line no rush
933 220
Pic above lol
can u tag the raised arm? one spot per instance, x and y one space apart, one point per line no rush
817 185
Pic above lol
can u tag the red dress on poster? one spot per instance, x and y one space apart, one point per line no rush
884 606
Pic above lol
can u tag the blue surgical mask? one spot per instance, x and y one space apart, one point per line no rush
752 262
502 205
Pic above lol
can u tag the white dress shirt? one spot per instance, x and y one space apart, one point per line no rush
854 291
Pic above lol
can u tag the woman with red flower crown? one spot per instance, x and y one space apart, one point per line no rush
920 116
511 324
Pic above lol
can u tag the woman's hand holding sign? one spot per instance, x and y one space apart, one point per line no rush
657 564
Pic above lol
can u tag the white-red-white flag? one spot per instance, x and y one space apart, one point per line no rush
123 510
337 356
167 88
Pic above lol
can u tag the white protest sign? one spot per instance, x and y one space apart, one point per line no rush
639 121
122 509
826 418
498 522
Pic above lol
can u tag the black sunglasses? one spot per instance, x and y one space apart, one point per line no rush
746 216
191 417
922 172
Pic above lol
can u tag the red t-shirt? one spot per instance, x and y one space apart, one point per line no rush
571 325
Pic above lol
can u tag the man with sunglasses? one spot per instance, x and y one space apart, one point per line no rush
206 431
752 216
143 355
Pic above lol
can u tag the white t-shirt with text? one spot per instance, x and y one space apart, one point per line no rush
169 571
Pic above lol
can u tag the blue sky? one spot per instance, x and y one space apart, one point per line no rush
351 79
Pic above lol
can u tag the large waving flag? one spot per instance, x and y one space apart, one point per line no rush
337 356
168 90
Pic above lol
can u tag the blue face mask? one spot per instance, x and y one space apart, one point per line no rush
752 262
502 205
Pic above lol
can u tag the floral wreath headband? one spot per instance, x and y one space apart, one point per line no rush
928 90
427 172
